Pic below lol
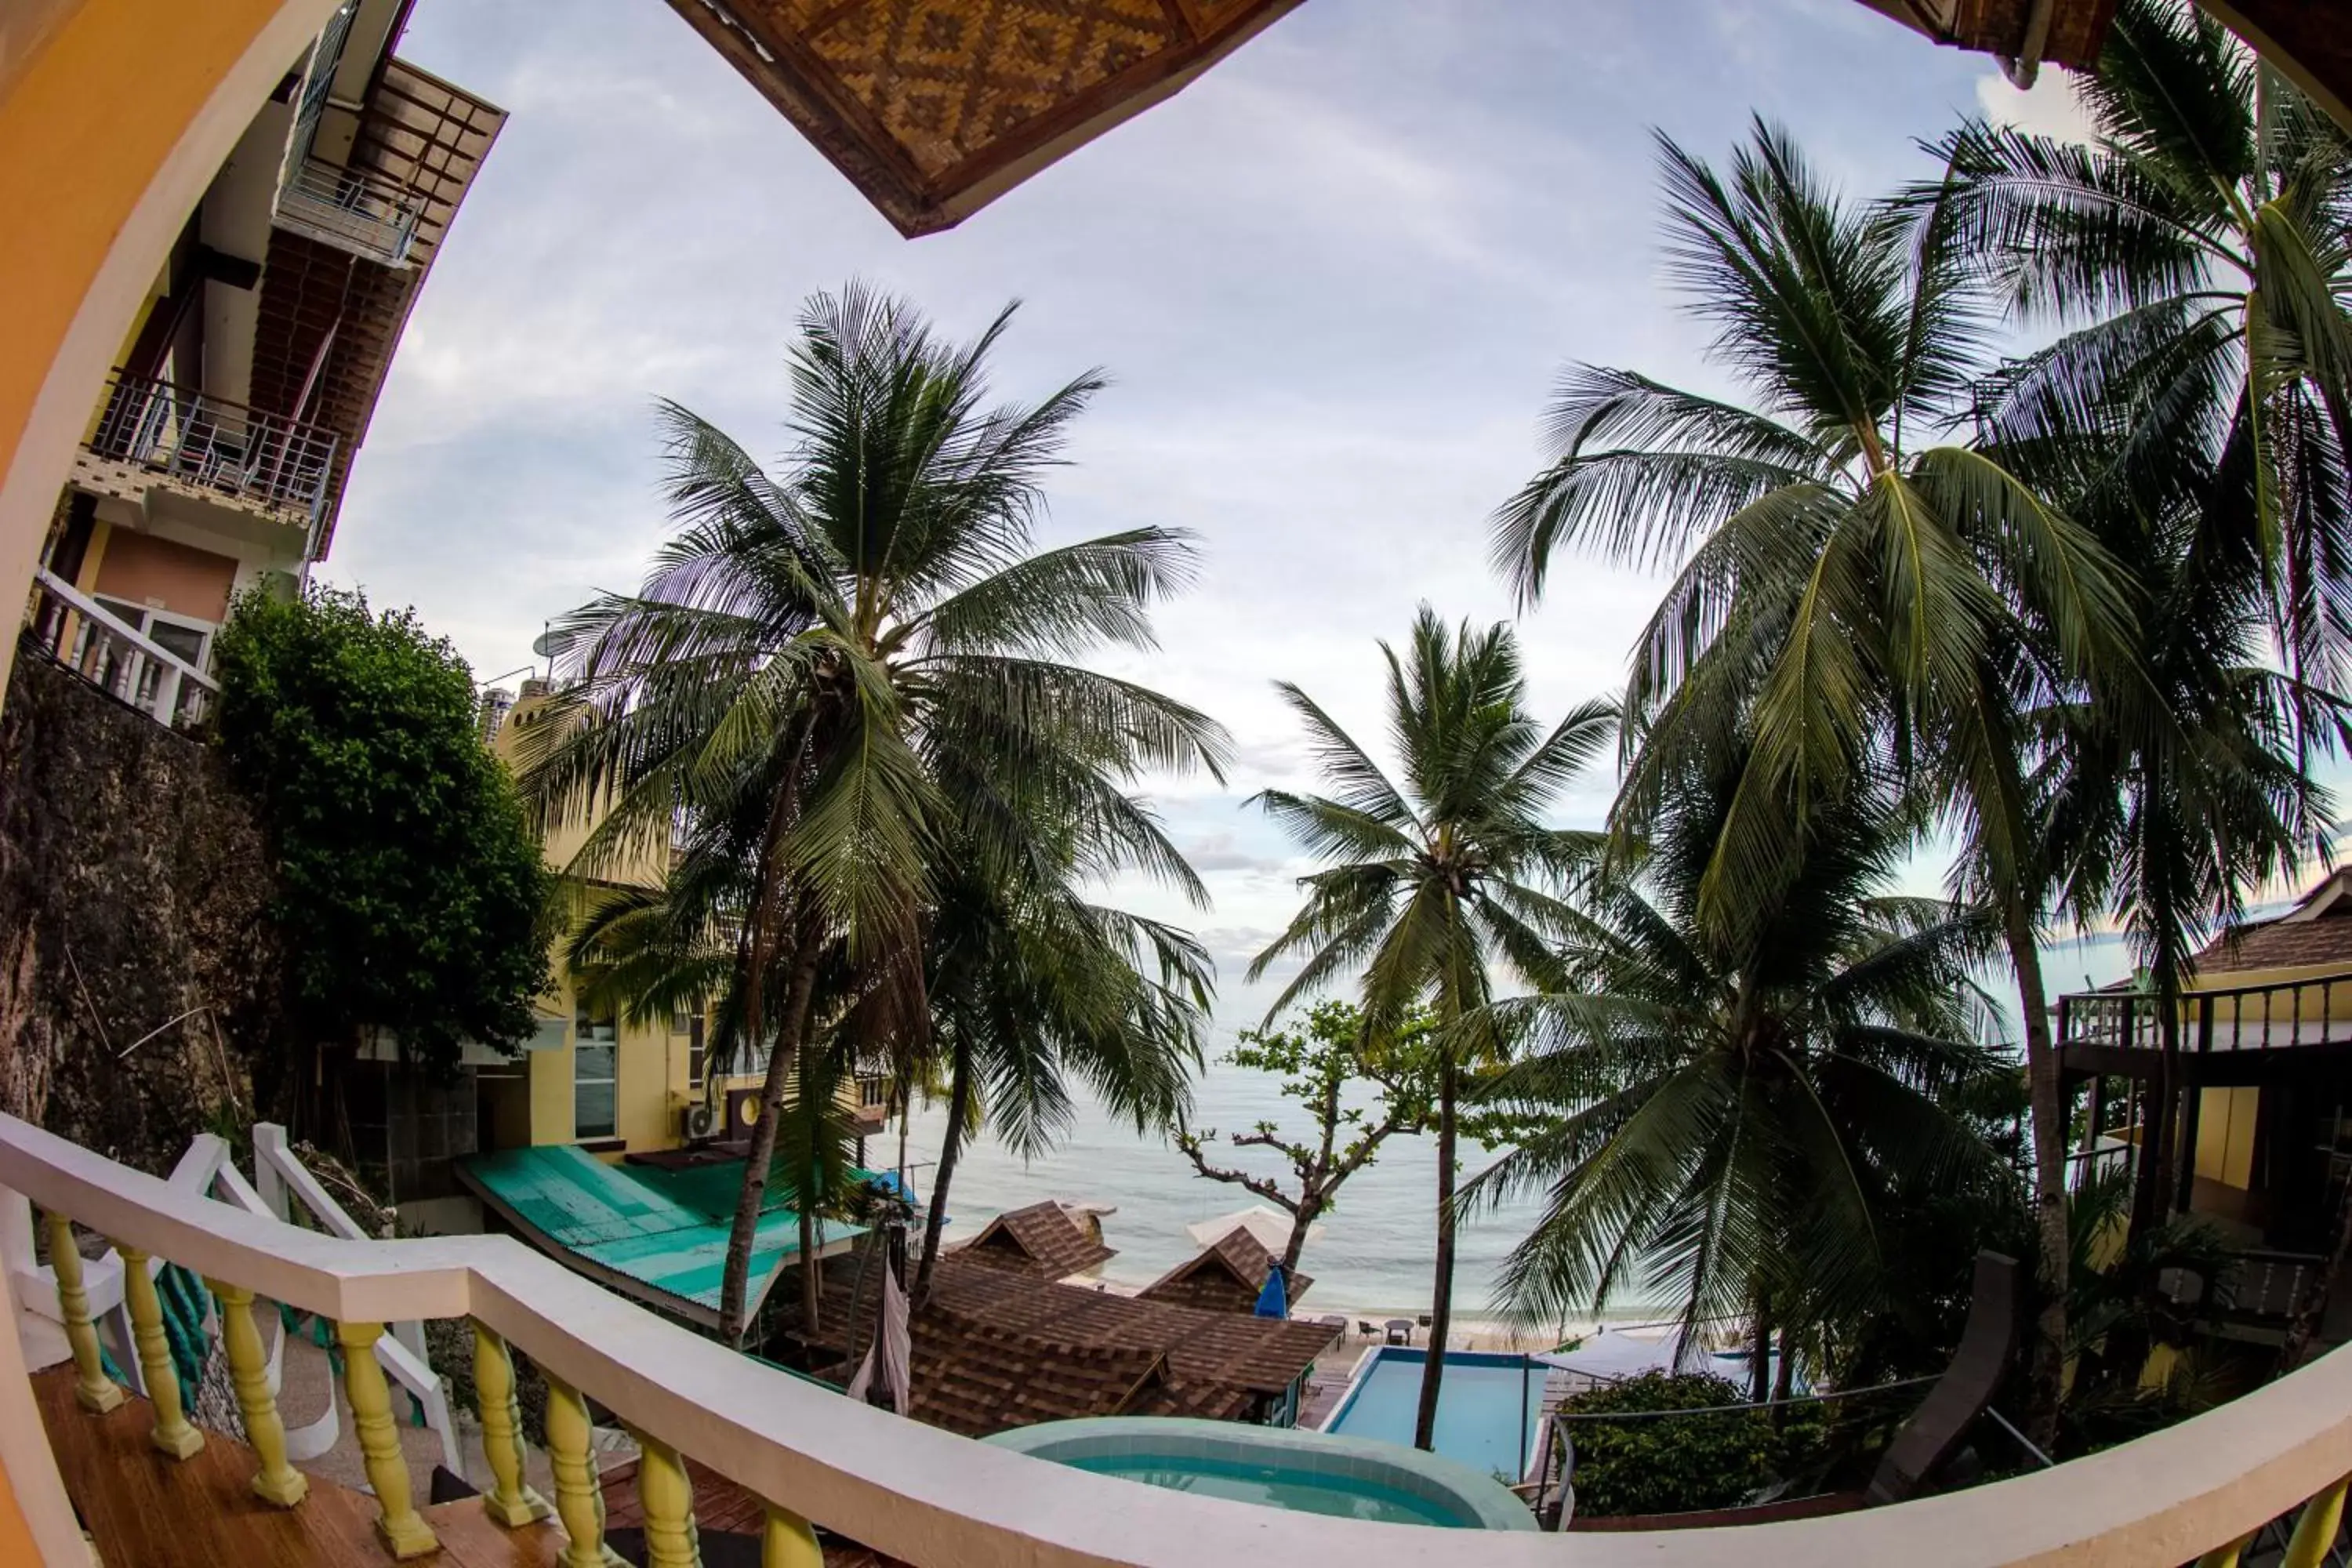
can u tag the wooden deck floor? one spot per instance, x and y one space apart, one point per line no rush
144 1510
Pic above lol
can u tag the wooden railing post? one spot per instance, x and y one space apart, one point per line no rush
579 1496
172 1434
787 1542
403 1529
509 1501
668 1500
93 1390
2315 1532
277 1481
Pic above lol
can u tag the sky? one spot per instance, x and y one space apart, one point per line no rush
1333 283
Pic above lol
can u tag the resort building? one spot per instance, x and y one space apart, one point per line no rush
216 458
595 1078
2240 1113
1011 1337
221 211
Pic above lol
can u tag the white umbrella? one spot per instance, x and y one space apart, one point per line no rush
891 1356
1267 1229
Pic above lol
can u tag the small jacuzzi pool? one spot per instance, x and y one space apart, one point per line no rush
1306 1472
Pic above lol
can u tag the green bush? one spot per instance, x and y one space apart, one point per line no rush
1678 1464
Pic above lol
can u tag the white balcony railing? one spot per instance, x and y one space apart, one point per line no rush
94 643
931 1498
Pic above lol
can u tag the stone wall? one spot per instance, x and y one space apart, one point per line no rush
140 976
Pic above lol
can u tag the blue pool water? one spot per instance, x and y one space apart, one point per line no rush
1487 1407
1348 1497
1305 1472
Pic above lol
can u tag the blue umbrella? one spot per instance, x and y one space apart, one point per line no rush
1274 1301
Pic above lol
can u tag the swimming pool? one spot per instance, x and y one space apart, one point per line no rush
1305 1472
1487 1407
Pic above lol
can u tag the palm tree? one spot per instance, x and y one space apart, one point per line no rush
2196 259
1428 887
829 675
1732 1113
1031 986
2173 795
1852 596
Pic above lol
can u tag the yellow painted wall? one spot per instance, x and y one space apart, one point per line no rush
2225 1135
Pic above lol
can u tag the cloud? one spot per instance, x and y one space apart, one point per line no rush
1217 852
2053 106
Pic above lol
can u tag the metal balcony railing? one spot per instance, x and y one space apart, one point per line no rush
353 210
87 638
2281 1017
217 445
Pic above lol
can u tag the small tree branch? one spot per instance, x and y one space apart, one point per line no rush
1258 1185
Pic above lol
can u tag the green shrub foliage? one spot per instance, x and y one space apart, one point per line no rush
1678 1464
411 889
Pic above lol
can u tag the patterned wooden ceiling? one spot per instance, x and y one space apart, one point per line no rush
933 107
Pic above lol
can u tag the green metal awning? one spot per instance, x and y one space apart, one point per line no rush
659 1235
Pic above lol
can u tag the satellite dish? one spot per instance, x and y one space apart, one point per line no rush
552 644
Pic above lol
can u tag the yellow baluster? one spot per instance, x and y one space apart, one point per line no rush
579 1498
403 1529
2224 1556
93 1390
668 1500
172 1434
277 1481
509 1500
2315 1532
787 1542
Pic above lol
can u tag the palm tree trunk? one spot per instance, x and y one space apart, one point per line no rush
1759 1354
2047 1367
811 1272
1784 1380
735 1281
1441 1313
950 1144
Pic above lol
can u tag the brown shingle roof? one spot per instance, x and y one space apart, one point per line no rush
2279 944
2317 931
994 1349
1043 1241
1224 1276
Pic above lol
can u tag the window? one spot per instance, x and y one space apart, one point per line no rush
183 636
697 1055
595 1076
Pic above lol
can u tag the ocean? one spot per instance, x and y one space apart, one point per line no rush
1372 1255
1371 1258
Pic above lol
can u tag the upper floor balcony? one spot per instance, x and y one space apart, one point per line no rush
351 209
209 449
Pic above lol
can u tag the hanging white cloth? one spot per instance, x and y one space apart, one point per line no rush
892 1353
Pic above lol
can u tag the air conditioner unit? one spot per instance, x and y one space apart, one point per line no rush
701 1121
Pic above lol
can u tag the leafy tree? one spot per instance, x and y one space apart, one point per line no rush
832 676
1740 1109
1853 597
1428 888
407 870
1321 1067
